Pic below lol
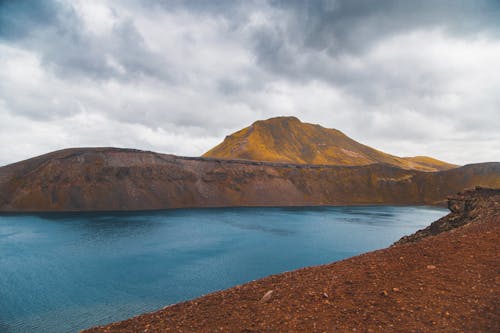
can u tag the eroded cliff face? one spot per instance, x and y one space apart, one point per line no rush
90 179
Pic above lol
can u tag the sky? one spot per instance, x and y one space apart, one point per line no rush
406 77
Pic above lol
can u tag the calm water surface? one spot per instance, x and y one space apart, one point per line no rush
66 272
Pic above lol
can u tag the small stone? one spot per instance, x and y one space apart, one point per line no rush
384 293
431 267
395 289
267 296
325 295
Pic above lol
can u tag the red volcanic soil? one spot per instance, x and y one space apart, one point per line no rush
445 279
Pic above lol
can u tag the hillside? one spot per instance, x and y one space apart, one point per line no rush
91 179
287 139
442 283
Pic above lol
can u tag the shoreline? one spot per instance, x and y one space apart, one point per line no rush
446 281
146 211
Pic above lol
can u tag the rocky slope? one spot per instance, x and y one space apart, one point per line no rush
467 207
287 139
443 283
89 179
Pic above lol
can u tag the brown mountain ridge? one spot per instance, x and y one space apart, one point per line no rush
288 140
107 179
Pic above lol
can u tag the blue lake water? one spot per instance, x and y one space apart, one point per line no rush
65 272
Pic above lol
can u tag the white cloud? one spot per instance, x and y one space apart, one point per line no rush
98 16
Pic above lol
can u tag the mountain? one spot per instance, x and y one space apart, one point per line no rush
107 179
287 139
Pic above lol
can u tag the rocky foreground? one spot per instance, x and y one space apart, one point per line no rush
445 278
112 179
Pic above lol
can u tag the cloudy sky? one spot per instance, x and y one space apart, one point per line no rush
406 77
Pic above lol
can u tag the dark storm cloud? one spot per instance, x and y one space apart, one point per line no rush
57 33
352 25
18 18
336 28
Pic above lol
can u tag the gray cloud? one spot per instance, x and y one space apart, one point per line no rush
320 31
19 18
350 26
58 34
409 77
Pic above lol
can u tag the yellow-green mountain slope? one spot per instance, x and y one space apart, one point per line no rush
287 139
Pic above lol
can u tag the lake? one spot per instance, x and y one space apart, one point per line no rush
63 272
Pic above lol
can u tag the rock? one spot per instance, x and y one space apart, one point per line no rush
431 267
267 296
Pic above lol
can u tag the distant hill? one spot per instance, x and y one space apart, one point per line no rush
287 139
111 179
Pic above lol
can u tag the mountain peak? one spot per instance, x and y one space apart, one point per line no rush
277 119
286 139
